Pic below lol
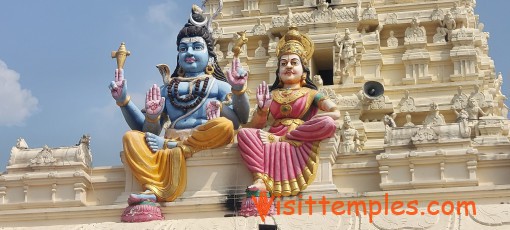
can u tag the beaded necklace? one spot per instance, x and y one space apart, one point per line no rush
190 100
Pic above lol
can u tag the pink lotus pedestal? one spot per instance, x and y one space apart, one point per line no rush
141 210
248 207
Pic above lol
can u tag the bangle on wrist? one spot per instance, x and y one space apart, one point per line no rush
239 92
262 111
155 120
125 102
221 106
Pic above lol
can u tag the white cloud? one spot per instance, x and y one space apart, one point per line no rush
163 12
16 104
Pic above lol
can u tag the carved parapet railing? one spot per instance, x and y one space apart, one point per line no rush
451 166
46 176
491 126
491 130
380 105
75 156
400 136
318 15
417 135
439 151
441 133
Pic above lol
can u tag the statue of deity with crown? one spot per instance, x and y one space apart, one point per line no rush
284 159
202 105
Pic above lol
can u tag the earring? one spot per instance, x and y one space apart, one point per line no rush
180 72
303 79
209 69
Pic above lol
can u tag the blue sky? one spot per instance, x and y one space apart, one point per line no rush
55 66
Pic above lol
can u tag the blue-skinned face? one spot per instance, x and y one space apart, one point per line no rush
193 55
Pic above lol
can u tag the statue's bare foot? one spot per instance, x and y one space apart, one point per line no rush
258 185
267 137
136 198
155 142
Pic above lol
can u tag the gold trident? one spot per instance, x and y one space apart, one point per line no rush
121 55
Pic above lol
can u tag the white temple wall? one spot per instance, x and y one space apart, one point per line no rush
441 166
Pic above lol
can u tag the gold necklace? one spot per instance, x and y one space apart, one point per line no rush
286 96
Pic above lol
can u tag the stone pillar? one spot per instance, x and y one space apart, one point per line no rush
25 191
80 193
471 166
411 170
383 171
323 183
3 193
53 192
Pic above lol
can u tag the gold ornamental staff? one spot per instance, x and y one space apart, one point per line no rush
236 49
121 55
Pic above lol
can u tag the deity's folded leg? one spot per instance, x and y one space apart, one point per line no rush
213 134
286 169
315 129
164 172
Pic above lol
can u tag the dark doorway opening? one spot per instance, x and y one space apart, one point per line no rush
327 76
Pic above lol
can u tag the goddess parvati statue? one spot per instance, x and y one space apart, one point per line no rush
283 160
192 101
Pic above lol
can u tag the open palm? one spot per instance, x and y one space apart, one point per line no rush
263 96
154 103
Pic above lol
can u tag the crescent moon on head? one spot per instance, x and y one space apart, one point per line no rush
197 23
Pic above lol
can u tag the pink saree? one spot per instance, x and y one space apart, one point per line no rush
289 166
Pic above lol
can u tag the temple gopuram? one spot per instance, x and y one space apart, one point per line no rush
424 129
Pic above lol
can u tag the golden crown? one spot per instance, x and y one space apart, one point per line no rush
295 43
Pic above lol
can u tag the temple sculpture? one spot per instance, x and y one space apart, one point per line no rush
409 105
349 137
283 160
346 52
192 101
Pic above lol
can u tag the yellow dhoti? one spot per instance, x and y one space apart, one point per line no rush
164 172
